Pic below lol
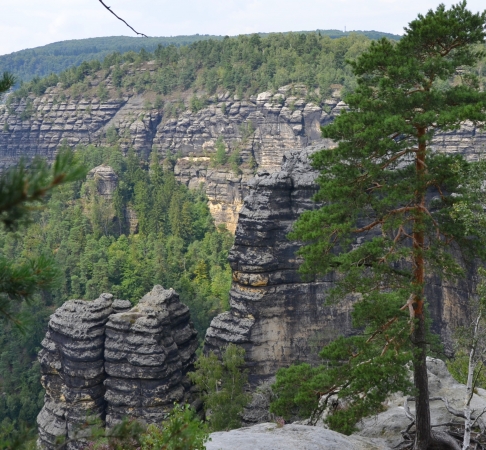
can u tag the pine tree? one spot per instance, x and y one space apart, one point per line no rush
393 210
22 187
222 385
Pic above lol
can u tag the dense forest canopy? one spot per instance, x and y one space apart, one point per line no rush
59 56
245 66
176 245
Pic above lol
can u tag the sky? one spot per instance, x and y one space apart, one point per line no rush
32 23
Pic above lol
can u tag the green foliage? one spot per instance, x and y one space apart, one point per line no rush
354 371
234 160
22 188
470 342
103 93
241 65
12 438
158 103
197 103
459 365
59 56
84 240
112 135
6 82
182 430
219 157
222 383
390 208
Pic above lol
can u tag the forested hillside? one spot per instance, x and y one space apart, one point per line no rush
244 65
58 56
176 245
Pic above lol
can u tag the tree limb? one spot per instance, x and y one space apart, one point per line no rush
119 18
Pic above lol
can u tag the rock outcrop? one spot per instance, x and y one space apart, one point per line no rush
72 367
391 422
260 128
278 317
382 431
148 351
269 436
106 180
275 315
107 360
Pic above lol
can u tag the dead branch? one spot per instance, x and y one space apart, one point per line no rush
409 305
119 18
408 414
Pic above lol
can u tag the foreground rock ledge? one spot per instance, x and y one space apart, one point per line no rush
105 359
382 431
268 436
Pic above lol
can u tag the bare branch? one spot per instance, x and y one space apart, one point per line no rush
478 417
408 413
119 18
409 305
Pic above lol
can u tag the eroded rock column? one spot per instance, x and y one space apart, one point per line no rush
72 368
107 360
148 351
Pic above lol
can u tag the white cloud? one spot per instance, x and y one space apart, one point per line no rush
30 23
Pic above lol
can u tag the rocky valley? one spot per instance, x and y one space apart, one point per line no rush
199 165
274 314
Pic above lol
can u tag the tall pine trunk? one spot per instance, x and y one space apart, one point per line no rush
422 411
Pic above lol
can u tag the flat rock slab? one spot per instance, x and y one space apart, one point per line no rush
268 436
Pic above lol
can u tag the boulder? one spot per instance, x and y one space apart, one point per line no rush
389 423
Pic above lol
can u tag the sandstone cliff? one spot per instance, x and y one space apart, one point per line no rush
262 128
105 359
278 317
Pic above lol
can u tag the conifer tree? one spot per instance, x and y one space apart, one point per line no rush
22 187
393 210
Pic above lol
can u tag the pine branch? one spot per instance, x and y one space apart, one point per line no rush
21 185
119 18
6 82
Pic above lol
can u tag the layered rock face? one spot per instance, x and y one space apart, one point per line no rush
148 351
72 367
278 317
261 128
275 315
107 360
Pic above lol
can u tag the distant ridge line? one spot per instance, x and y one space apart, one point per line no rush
58 56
